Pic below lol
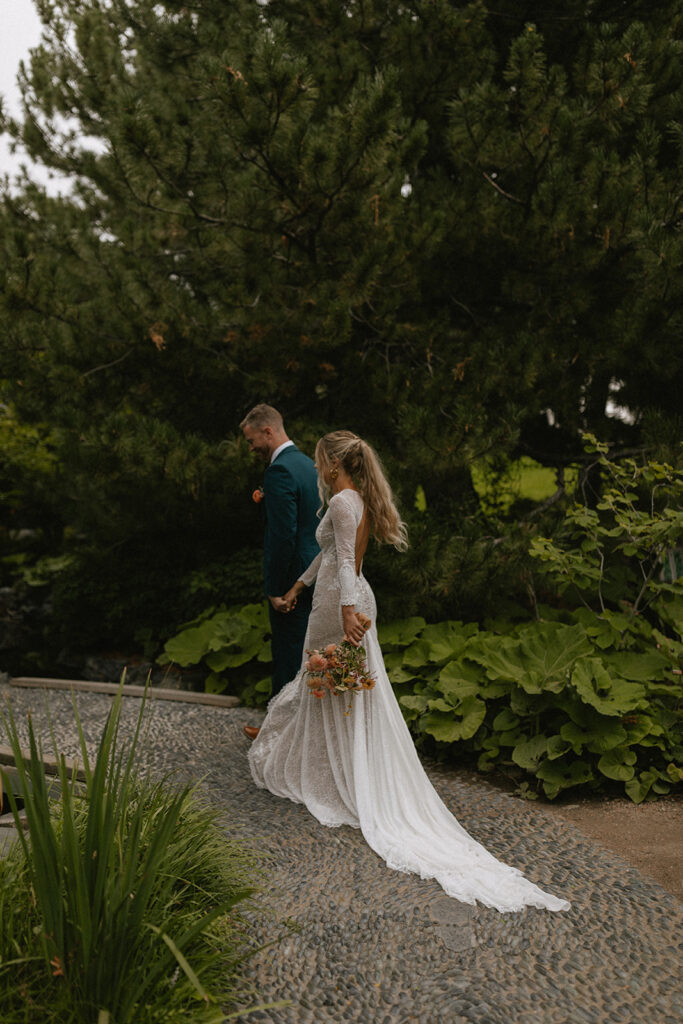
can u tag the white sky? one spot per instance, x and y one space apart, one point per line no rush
20 29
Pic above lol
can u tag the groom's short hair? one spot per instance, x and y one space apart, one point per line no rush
262 416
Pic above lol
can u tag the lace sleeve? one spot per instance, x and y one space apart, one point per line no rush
308 577
345 521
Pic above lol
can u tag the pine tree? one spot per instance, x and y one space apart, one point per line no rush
422 220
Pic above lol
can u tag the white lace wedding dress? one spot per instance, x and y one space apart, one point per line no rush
362 769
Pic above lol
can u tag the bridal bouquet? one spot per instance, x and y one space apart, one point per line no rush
338 668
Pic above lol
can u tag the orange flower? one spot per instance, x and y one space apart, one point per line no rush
337 669
257 495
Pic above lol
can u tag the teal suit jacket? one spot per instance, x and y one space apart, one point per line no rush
291 502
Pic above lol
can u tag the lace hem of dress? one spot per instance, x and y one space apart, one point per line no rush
506 890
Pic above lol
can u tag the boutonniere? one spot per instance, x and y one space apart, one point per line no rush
258 495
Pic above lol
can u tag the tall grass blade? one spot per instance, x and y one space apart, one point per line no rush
43 855
163 965
254 1009
183 964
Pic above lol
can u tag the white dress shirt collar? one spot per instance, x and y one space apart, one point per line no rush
280 449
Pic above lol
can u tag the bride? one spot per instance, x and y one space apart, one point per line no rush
362 769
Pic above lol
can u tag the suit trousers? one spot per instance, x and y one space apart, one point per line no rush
288 631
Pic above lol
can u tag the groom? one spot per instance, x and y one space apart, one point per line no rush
290 501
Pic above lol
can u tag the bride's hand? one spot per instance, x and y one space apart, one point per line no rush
355 625
290 598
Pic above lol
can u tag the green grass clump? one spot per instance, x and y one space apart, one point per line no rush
118 905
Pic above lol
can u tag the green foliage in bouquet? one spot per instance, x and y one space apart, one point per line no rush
119 904
232 645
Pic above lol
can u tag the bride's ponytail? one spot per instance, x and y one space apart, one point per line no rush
361 462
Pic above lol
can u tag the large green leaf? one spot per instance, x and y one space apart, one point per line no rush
417 655
491 691
218 661
447 639
603 633
528 754
485 761
215 683
540 657
460 724
669 646
414 702
255 615
438 643
265 654
548 651
562 774
609 696
525 704
439 704
511 737
638 667
498 655
557 747
618 764
401 633
605 734
670 609
401 675
458 679
393 662
505 719
190 646
673 691
639 726
228 631
639 786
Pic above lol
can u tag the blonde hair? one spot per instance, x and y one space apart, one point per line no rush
362 464
262 416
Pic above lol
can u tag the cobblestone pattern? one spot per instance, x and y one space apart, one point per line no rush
371 945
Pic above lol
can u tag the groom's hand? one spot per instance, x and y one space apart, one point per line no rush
279 604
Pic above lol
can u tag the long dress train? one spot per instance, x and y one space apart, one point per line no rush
362 769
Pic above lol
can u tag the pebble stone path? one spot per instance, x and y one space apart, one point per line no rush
375 946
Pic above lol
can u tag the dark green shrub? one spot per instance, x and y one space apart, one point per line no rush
120 902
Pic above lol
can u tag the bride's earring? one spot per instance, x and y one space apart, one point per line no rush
334 473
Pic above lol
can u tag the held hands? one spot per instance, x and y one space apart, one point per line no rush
355 624
285 603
